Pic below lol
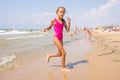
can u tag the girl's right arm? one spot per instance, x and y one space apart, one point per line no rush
49 27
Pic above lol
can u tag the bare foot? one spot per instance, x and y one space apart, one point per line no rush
65 69
48 57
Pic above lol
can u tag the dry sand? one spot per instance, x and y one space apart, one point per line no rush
104 60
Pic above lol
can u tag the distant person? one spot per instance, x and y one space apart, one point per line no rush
89 34
76 30
58 23
70 34
85 34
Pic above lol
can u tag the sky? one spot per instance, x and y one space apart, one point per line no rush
36 14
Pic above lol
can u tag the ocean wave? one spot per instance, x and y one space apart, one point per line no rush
2 32
7 59
23 37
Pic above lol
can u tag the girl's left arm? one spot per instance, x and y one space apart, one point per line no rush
67 27
49 27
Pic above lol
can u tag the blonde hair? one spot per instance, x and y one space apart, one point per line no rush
59 8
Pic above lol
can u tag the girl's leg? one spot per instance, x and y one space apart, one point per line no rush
59 45
53 55
59 54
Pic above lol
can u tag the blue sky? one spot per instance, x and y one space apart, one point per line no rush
36 14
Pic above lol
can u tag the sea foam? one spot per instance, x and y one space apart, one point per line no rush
6 59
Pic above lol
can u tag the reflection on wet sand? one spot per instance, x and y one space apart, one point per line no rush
65 76
52 77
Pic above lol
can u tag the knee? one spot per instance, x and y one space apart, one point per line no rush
59 54
64 53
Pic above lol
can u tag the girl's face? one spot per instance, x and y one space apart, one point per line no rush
61 12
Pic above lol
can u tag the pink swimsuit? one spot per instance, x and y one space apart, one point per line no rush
58 29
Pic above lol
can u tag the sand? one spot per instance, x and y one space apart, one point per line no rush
104 60
39 69
100 62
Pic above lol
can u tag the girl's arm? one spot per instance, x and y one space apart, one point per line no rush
67 27
49 27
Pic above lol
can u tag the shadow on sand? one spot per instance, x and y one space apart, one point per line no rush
71 65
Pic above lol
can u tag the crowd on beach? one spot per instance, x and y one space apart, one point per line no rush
86 31
89 31
111 29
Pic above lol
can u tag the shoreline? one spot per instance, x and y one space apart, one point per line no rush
39 69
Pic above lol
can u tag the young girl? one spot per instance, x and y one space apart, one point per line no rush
58 23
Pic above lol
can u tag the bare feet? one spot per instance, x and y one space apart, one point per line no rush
48 57
65 69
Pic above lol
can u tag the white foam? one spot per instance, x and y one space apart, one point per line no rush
2 31
13 32
6 59
23 37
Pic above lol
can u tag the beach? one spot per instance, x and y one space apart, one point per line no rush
96 60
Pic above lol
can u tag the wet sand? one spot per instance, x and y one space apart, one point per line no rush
39 69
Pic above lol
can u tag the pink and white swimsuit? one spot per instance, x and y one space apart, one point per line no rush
58 29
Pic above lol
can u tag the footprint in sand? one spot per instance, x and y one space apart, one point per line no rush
116 60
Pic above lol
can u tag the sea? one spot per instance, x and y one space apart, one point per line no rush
18 47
